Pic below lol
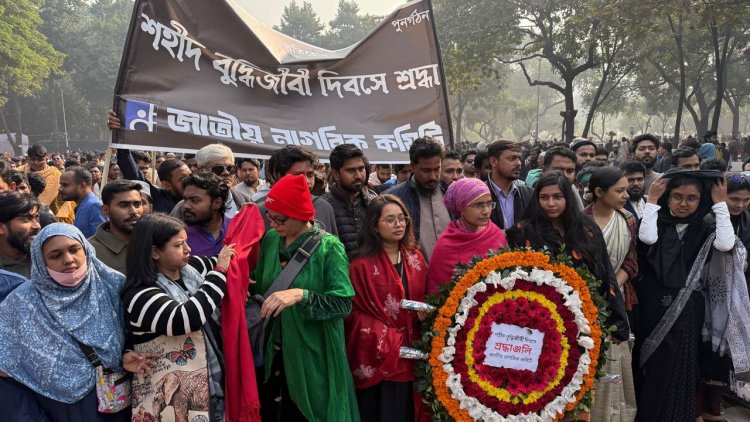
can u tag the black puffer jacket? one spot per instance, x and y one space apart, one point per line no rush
349 215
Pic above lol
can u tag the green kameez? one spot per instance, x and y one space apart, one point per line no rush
311 333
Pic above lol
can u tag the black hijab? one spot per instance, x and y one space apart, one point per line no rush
671 257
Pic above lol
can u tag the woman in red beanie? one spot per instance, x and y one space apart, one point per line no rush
307 375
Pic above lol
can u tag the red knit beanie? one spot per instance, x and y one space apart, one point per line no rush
291 196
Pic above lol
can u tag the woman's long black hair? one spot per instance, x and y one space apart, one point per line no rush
153 230
369 241
579 229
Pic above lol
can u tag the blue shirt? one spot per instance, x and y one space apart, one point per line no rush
203 242
505 202
89 215
8 282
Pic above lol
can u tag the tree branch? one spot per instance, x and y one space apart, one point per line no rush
548 84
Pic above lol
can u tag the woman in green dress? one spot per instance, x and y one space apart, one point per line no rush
306 374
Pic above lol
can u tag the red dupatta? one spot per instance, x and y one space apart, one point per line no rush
242 403
377 326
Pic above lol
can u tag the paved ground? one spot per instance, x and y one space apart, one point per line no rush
737 414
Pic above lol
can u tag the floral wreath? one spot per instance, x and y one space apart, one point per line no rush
517 336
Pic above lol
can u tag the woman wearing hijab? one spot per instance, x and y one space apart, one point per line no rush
72 298
470 234
677 222
307 375
615 401
388 268
553 221
171 306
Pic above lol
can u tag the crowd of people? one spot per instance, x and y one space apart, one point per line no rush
102 274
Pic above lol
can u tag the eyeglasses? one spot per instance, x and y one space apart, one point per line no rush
219 170
391 221
690 199
277 220
479 206
739 178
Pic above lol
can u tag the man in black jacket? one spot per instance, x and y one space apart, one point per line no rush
510 197
422 191
349 195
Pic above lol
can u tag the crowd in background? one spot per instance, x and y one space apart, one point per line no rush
114 259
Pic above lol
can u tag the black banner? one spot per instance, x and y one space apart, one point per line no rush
195 72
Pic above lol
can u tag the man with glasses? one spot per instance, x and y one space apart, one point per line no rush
19 225
37 162
58 162
467 160
219 160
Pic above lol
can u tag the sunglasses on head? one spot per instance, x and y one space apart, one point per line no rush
739 177
219 170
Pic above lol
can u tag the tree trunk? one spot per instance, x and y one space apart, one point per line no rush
18 139
7 129
461 106
569 115
720 57
595 104
677 32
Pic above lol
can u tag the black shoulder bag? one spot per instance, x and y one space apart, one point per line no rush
256 324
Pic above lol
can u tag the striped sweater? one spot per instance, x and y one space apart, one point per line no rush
150 312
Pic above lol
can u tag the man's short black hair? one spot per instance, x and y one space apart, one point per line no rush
666 145
240 160
16 204
645 137
37 151
343 153
141 156
18 177
383 166
211 183
600 151
467 153
5 170
714 164
72 162
633 166
558 151
709 133
425 147
579 142
80 175
37 183
683 153
498 147
118 186
283 159
167 167
451 155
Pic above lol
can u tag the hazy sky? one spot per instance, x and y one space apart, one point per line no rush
269 11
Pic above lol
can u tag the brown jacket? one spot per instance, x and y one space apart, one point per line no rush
109 249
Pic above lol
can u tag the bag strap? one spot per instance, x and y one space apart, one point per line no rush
90 354
295 265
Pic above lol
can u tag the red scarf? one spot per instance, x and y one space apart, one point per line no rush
377 326
242 402
459 244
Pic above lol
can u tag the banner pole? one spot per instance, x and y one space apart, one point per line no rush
442 76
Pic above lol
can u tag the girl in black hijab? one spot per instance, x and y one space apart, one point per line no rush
684 208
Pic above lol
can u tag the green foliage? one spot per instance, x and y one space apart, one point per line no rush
26 57
301 22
